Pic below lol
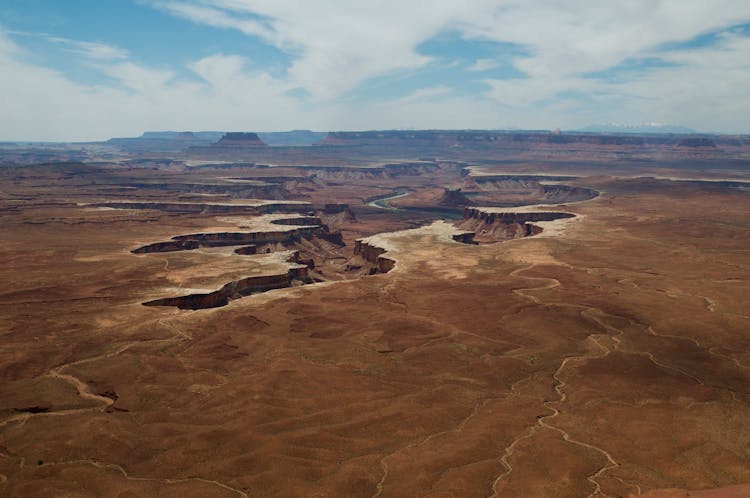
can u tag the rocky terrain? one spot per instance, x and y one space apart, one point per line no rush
501 138
240 139
493 225
510 316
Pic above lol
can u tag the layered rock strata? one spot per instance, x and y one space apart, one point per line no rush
246 239
373 255
261 207
295 275
240 139
489 225
512 216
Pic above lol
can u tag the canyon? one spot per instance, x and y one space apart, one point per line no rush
380 313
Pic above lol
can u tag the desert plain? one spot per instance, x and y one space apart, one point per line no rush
378 315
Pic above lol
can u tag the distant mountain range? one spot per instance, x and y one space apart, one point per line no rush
638 129
212 136
173 141
294 137
606 134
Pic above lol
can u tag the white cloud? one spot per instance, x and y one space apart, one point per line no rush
424 94
705 88
573 37
524 92
337 46
483 65
43 104
139 78
219 69
91 50
217 18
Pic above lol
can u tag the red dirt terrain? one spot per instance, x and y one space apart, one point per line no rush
351 325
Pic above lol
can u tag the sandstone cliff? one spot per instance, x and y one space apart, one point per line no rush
240 139
374 255
295 275
453 198
494 226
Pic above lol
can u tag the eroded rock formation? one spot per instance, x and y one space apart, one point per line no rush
285 238
696 142
337 216
168 246
491 226
217 239
201 207
465 238
454 198
298 221
247 250
454 138
512 216
373 255
296 275
482 188
240 139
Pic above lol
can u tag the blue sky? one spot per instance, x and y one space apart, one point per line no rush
85 70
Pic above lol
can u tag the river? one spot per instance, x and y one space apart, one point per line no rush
383 202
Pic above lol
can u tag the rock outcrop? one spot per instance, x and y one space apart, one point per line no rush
491 226
297 274
537 144
373 255
285 238
465 238
292 138
298 221
202 207
696 142
218 239
168 246
169 141
240 139
247 250
454 198
512 216
336 215
457 138
533 187
385 171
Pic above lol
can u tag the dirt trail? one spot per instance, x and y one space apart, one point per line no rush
560 385
596 315
383 461
126 475
84 391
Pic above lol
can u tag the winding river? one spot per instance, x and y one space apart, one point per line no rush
383 202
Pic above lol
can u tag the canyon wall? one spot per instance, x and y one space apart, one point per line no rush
374 255
495 226
311 228
510 216
297 274
483 137
201 207
468 143
240 139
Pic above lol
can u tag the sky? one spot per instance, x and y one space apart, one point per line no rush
74 70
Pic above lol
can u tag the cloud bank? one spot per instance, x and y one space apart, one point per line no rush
575 62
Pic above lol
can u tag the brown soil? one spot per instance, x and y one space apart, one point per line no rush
607 355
